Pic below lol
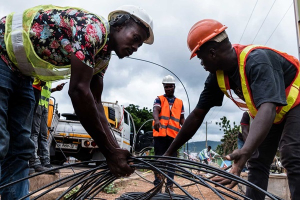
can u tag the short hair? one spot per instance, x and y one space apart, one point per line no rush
213 44
209 147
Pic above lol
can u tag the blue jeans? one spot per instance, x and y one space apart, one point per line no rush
16 147
39 133
240 143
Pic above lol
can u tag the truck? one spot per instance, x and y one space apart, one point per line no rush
68 138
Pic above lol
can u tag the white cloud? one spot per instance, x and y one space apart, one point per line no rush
128 81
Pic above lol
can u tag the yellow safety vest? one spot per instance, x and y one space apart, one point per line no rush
21 51
292 91
45 94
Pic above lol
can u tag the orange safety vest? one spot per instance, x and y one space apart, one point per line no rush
169 120
292 91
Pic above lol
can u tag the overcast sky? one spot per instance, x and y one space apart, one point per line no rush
134 82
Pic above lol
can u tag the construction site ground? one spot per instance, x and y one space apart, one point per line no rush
132 184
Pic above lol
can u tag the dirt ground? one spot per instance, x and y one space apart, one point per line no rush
139 185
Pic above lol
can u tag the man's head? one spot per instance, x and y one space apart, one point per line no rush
208 41
130 26
209 148
169 85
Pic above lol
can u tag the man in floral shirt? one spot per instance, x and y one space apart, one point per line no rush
61 37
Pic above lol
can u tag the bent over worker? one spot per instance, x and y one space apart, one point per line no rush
267 82
168 115
205 154
53 43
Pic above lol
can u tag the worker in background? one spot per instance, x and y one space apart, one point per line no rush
205 154
54 43
267 82
39 131
168 115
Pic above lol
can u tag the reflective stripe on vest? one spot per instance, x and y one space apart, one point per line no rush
21 51
45 95
292 91
169 120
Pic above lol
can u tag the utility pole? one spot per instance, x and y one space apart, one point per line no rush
206 132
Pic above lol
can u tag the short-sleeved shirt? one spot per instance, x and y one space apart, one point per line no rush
268 75
55 34
157 102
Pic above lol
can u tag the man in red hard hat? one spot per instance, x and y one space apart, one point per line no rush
267 82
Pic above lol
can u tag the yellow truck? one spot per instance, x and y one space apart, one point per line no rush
68 138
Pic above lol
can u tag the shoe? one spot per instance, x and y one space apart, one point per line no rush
49 166
39 168
31 171
169 189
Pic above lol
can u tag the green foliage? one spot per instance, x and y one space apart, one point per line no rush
140 116
111 189
74 190
229 140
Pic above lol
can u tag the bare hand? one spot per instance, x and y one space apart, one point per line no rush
240 160
117 163
60 87
157 125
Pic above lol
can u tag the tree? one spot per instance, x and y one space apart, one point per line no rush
229 140
140 116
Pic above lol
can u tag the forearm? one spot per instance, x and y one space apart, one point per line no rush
189 128
260 127
156 113
90 118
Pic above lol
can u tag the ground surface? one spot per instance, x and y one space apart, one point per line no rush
139 185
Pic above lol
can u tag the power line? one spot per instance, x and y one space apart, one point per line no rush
279 23
264 21
248 21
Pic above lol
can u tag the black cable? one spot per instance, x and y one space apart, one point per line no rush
264 21
93 181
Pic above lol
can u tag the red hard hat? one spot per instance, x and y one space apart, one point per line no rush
202 32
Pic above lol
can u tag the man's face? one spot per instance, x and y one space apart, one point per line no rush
208 149
208 60
128 39
169 89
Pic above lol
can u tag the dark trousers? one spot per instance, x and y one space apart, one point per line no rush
287 136
161 144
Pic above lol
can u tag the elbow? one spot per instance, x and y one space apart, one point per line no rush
77 91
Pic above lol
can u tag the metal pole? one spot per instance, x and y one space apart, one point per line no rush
296 11
206 132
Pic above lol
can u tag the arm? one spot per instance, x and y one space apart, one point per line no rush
86 105
57 88
245 124
156 111
182 119
258 132
189 128
260 127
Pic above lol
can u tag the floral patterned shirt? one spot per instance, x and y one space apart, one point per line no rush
55 34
